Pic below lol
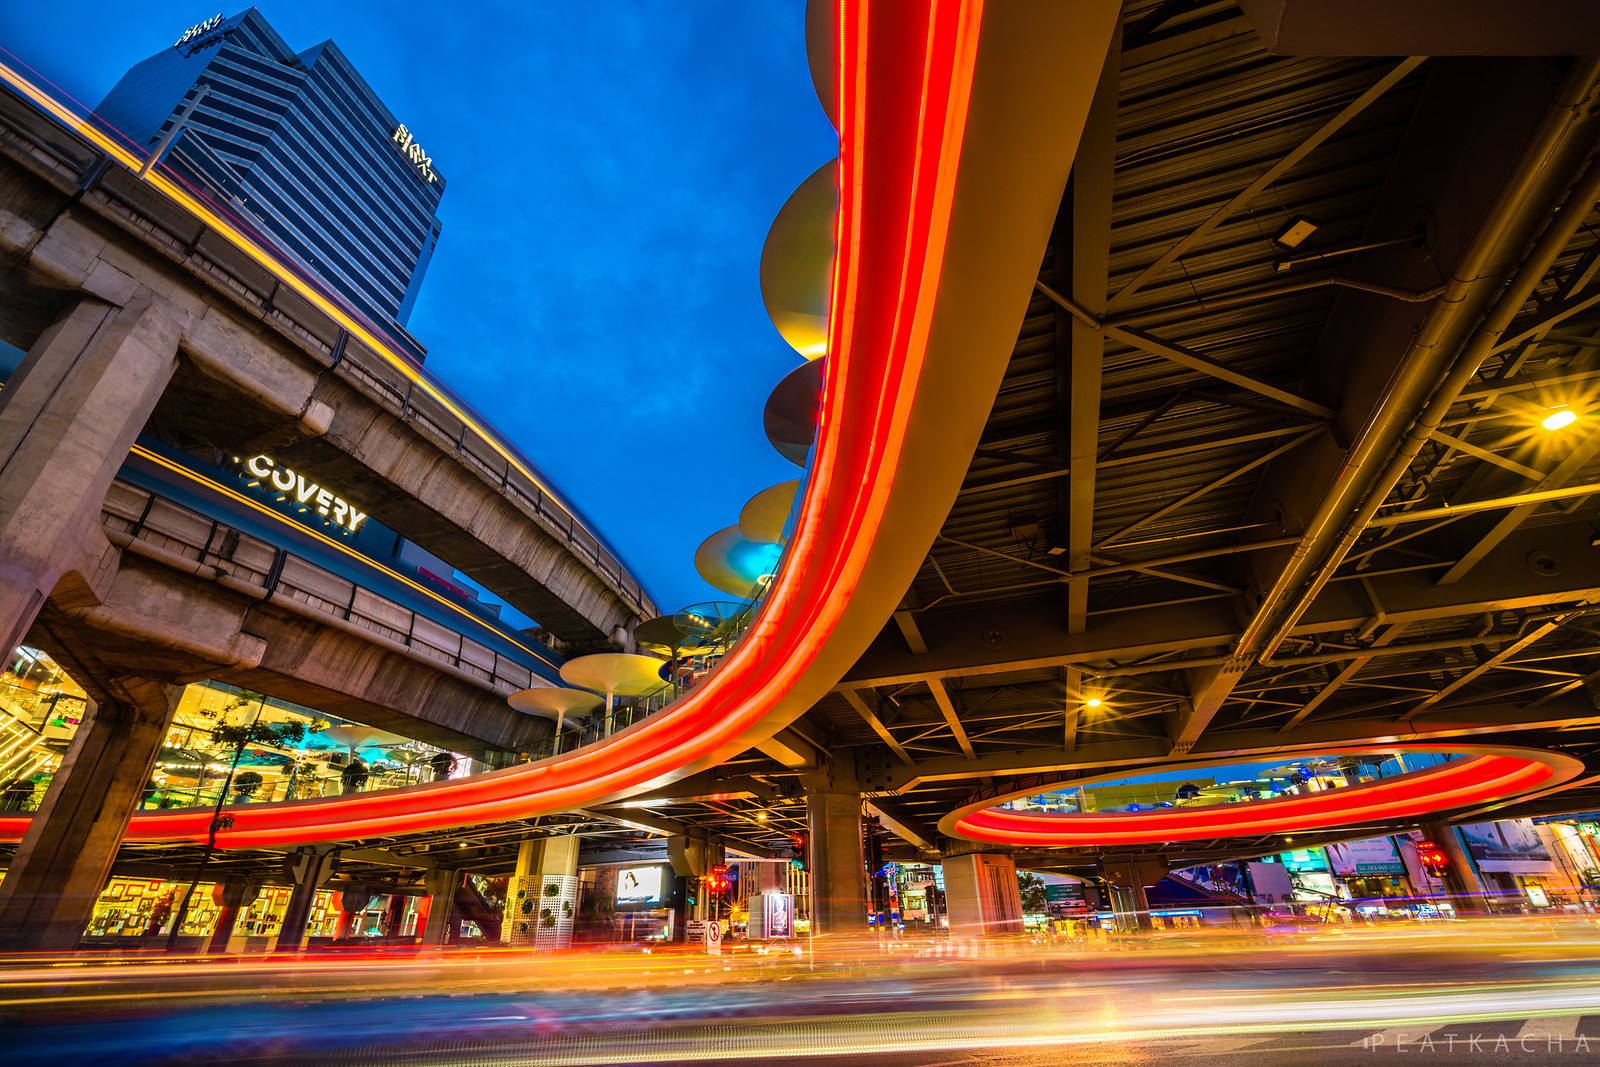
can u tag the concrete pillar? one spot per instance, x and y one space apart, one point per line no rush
444 921
61 865
838 869
67 418
981 895
235 898
692 859
1129 879
1461 880
307 867
542 897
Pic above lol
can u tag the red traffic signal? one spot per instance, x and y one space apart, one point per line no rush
1432 858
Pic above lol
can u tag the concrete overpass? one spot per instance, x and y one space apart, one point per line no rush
200 342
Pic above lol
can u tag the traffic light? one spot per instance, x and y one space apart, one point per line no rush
799 845
717 883
1432 858
691 891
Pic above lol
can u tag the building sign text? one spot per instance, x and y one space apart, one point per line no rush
413 153
199 29
305 493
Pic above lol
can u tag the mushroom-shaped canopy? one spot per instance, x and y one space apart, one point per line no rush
822 35
733 563
354 735
763 518
797 262
660 635
617 673
791 414
552 702
712 624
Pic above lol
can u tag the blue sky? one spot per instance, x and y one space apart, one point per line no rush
613 168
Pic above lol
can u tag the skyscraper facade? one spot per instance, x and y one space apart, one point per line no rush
301 147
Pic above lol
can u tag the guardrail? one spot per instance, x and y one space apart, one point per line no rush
187 241
151 525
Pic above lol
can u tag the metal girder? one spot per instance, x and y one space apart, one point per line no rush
1215 483
1128 459
1386 636
637 819
1031 634
899 820
1488 664
715 784
905 617
947 708
792 749
1439 725
1206 365
858 702
1081 250
1072 679
1270 175
1564 472
1487 456
1209 689
422 861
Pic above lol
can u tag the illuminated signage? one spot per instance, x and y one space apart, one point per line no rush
199 29
306 493
639 885
413 153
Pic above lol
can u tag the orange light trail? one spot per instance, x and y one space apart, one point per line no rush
903 105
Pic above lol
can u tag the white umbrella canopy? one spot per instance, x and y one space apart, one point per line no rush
554 703
354 736
614 674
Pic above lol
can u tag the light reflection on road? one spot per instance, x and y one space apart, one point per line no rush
881 1004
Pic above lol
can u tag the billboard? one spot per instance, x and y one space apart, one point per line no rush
1357 859
1067 900
639 887
1510 847
778 915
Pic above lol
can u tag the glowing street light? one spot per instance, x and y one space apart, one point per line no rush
1093 702
1558 419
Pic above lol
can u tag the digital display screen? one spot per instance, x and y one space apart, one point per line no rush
639 885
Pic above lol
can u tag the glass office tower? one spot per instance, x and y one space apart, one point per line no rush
301 147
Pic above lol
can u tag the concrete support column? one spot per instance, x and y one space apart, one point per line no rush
61 865
542 897
1461 880
838 869
444 921
235 898
308 867
1129 878
67 418
981 895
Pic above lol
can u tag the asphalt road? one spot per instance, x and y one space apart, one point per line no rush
1463 993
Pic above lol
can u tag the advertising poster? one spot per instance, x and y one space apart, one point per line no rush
639 886
778 915
1067 901
1357 859
1511 847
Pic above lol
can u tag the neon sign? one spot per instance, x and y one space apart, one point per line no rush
307 494
412 151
